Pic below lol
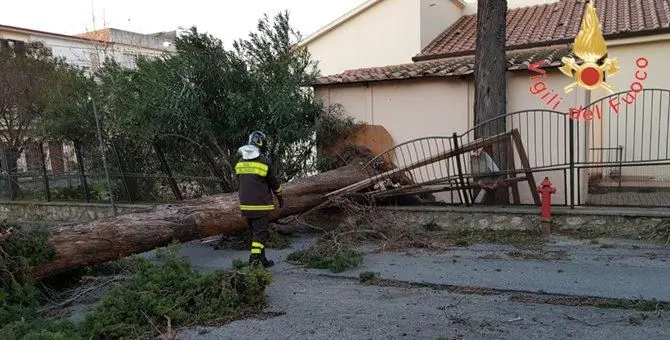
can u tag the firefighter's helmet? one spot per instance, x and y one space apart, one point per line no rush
258 140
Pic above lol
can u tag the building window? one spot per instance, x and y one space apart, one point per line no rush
19 45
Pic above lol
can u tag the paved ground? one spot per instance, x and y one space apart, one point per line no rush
647 199
315 304
331 308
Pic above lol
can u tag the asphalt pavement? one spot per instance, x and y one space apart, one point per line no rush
316 304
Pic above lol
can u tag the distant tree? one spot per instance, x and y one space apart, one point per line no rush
215 97
283 101
69 101
205 97
27 73
490 80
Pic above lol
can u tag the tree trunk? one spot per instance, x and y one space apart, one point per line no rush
81 245
12 156
491 82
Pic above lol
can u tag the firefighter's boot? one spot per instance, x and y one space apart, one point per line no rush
260 259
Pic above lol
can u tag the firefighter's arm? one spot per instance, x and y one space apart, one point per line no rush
275 186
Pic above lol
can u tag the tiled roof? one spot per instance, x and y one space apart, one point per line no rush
446 67
555 23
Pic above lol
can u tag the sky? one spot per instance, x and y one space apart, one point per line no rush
228 20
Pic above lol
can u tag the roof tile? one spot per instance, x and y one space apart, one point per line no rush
554 23
446 67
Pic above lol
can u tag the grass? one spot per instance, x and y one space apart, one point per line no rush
336 261
368 277
432 226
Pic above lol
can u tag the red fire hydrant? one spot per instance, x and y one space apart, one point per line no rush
546 190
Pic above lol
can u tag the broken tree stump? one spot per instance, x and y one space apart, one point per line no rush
86 244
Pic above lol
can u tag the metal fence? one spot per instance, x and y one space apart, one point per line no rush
620 156
153 171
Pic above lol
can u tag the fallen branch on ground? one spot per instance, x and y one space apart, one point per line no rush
80 245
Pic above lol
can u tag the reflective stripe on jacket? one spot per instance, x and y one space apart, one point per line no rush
257 180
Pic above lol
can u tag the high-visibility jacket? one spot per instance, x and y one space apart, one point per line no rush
257 181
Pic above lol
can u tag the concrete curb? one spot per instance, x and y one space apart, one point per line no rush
533 210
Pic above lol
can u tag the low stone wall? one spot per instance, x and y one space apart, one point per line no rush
62 211
518 219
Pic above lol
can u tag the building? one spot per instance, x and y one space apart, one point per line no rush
381 32
435 92
87 51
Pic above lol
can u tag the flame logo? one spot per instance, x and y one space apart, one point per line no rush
590 47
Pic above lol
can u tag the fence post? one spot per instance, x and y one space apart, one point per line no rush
3 153
80 166
620 165
571 137
465 192
40 148
216 169
104 157
123 174
173 183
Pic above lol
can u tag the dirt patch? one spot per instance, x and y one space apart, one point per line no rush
530 240
639 305
537 298
546 255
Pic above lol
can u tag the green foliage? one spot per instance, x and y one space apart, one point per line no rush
26 77
70 114
178 292
97 192
368 277
23 250
204 96
140 305
336 260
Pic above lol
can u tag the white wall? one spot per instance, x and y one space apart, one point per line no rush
641 128
84 53
387 33
437 16
390 32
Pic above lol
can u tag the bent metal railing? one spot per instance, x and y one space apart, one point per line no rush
620 133
458 166
627 141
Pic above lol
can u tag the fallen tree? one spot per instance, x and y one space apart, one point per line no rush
81 245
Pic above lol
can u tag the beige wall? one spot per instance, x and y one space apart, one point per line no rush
387 33
407 109
545 135
436 16
390 32
641 128
438 107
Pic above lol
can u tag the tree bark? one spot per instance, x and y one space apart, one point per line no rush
12 156
491 82
81 245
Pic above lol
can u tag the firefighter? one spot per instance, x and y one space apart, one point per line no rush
257 181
